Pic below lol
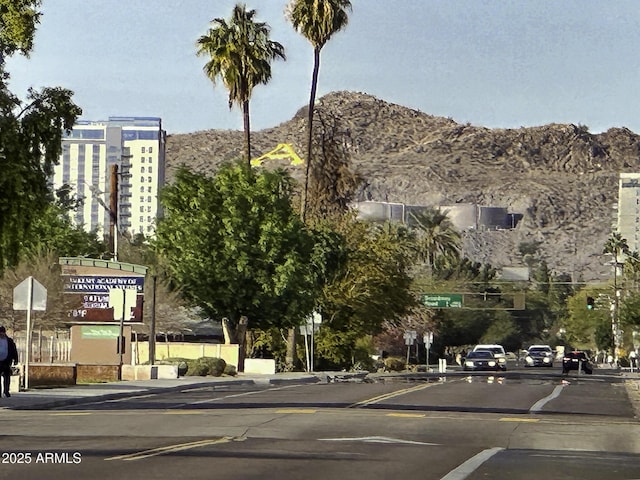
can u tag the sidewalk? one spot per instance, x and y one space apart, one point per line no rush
46 398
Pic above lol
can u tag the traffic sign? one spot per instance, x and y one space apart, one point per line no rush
30 294
442 300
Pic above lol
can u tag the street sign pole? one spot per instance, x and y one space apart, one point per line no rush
29 295
122 300
27 354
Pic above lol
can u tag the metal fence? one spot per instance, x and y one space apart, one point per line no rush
44 349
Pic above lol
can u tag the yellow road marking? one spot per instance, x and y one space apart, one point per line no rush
169 449
294 410
406 415
397 393
69 414
524 420
184 412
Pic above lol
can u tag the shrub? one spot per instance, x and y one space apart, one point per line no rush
206 366
394 364
230 370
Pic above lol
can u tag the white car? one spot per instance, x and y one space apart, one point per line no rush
498 352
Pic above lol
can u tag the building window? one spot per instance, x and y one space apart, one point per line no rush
141 199
142 209
142 149
148 189
150 179
149 199
150 171
141 219
141 179
149 219
149 209
141 190
150 149
141 169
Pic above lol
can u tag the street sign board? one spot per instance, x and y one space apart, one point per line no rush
442 300
38 300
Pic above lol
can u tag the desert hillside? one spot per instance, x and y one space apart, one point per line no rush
561 178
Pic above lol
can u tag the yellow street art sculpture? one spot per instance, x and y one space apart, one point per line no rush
282 151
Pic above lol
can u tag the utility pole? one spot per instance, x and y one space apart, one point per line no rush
152 326
113 212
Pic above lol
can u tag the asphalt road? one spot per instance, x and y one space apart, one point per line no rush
533 424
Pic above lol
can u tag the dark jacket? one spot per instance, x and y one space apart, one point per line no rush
12 357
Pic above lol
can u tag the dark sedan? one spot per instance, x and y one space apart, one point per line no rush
539 356
481 360
576 360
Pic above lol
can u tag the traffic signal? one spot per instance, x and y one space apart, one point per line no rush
590 303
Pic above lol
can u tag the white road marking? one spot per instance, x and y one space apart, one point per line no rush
468 467
543 401
376 440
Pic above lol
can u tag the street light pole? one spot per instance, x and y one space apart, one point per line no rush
113 212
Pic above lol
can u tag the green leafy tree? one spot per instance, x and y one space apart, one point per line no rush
18 22
235 247
30 135
373 286
317 21
503 330
54 231
240 53
581 324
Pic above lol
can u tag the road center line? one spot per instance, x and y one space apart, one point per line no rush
387 396
169 449
543 401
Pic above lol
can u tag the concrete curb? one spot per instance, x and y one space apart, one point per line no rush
46 404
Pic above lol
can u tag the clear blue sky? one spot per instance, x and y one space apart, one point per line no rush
494 63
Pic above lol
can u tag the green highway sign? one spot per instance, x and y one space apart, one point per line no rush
442 300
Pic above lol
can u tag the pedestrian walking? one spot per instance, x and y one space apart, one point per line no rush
8 357
633 360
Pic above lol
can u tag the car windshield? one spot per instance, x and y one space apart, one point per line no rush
480 354
497 350
539 350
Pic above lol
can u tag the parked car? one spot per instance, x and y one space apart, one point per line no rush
576 360
481 360
539 356
498 352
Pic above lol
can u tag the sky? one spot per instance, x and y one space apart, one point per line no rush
492 63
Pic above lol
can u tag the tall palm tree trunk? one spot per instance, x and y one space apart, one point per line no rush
312 101
247 133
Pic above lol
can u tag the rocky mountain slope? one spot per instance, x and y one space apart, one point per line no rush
561 178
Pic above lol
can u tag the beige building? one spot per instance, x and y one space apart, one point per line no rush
628 224
137 146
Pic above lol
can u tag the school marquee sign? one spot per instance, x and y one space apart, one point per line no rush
87 283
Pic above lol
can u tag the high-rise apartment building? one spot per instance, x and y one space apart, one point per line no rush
628 224
137 146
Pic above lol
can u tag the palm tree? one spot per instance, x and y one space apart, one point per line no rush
616 246
317 21
437 237
240 54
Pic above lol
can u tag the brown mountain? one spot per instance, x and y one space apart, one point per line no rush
562 179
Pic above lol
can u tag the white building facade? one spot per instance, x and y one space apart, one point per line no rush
137 146
628 224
